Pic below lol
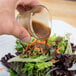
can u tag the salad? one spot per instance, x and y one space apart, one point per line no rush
37 58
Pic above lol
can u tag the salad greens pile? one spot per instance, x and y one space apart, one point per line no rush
39 59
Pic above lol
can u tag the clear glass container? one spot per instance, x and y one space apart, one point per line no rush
36 21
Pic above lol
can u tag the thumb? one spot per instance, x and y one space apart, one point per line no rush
21 33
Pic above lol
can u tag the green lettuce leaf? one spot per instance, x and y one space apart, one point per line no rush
69 48
43 65
30 59
12 73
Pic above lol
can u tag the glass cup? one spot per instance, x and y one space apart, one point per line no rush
36 21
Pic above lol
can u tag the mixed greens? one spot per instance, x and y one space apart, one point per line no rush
37 58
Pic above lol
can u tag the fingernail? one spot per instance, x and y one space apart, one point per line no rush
26 39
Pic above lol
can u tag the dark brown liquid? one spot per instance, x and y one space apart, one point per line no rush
46 44
41 30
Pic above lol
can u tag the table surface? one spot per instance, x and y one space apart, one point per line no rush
62 10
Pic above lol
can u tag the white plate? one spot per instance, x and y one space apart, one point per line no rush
7 43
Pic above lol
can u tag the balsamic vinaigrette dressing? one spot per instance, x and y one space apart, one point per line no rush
46 44
41 30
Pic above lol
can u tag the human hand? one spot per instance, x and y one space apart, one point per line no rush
8 23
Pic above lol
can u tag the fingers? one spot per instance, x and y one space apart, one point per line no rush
21 33
34 3
22 8
28 2
26 5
